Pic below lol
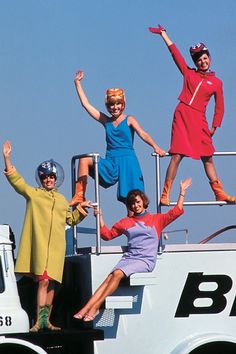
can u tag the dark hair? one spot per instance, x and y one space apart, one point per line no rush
198 50
130 199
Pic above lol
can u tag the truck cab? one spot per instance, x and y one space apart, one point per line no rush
15 337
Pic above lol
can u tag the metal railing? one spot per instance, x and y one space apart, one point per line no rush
158 182
215 234
95 157
167 232
193 203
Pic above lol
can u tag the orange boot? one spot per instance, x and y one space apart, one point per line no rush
220 194
165 197
79 195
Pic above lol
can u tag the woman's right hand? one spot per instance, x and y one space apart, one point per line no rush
79 76
7 149
96 212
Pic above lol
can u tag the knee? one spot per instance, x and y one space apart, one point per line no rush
207 161
118 275
175 159
43 284
87 161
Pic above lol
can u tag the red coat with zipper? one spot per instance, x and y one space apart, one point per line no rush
190 135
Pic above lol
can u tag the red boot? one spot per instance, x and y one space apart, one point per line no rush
79 195
220 194
165 197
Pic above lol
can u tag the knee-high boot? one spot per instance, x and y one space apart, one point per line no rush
80 190
220 194
165 197
40 322
47 323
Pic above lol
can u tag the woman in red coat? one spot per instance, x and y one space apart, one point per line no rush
190 134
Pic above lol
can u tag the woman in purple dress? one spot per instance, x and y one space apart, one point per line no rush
143 232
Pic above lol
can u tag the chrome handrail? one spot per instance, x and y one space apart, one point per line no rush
158 187
95 157
209 238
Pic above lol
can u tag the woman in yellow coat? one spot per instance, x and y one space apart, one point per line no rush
41 251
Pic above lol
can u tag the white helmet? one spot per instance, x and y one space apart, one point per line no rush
49 167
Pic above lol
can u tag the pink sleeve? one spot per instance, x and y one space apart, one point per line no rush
117 229
162 220
219 106
178 58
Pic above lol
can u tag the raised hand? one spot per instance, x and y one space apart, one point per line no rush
6 149
79 75
157 30
185 184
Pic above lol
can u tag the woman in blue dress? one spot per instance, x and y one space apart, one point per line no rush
120 164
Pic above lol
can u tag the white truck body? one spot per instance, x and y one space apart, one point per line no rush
187 303
13 319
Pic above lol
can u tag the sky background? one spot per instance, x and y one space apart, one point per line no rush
44 42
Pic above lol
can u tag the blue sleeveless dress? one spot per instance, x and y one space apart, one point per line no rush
120 164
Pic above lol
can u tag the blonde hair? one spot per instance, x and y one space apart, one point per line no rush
114 95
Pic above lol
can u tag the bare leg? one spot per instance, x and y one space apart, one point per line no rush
42 292
84 165
50 292
173 166
170 176
110 284
209 168
41 302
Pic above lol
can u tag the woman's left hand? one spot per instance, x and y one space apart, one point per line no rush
160 152
6 149
86 204
185 184
212 131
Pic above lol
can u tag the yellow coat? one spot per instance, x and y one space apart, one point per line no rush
42 244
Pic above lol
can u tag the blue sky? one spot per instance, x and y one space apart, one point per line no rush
44 42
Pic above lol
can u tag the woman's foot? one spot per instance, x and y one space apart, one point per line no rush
35 328
52 328
90 317
78 316
81 313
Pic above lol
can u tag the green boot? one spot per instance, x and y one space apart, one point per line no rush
47 323
41 318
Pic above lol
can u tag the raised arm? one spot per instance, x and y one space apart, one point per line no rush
144 135
7 155
183 187
92 111
177 56
162 32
